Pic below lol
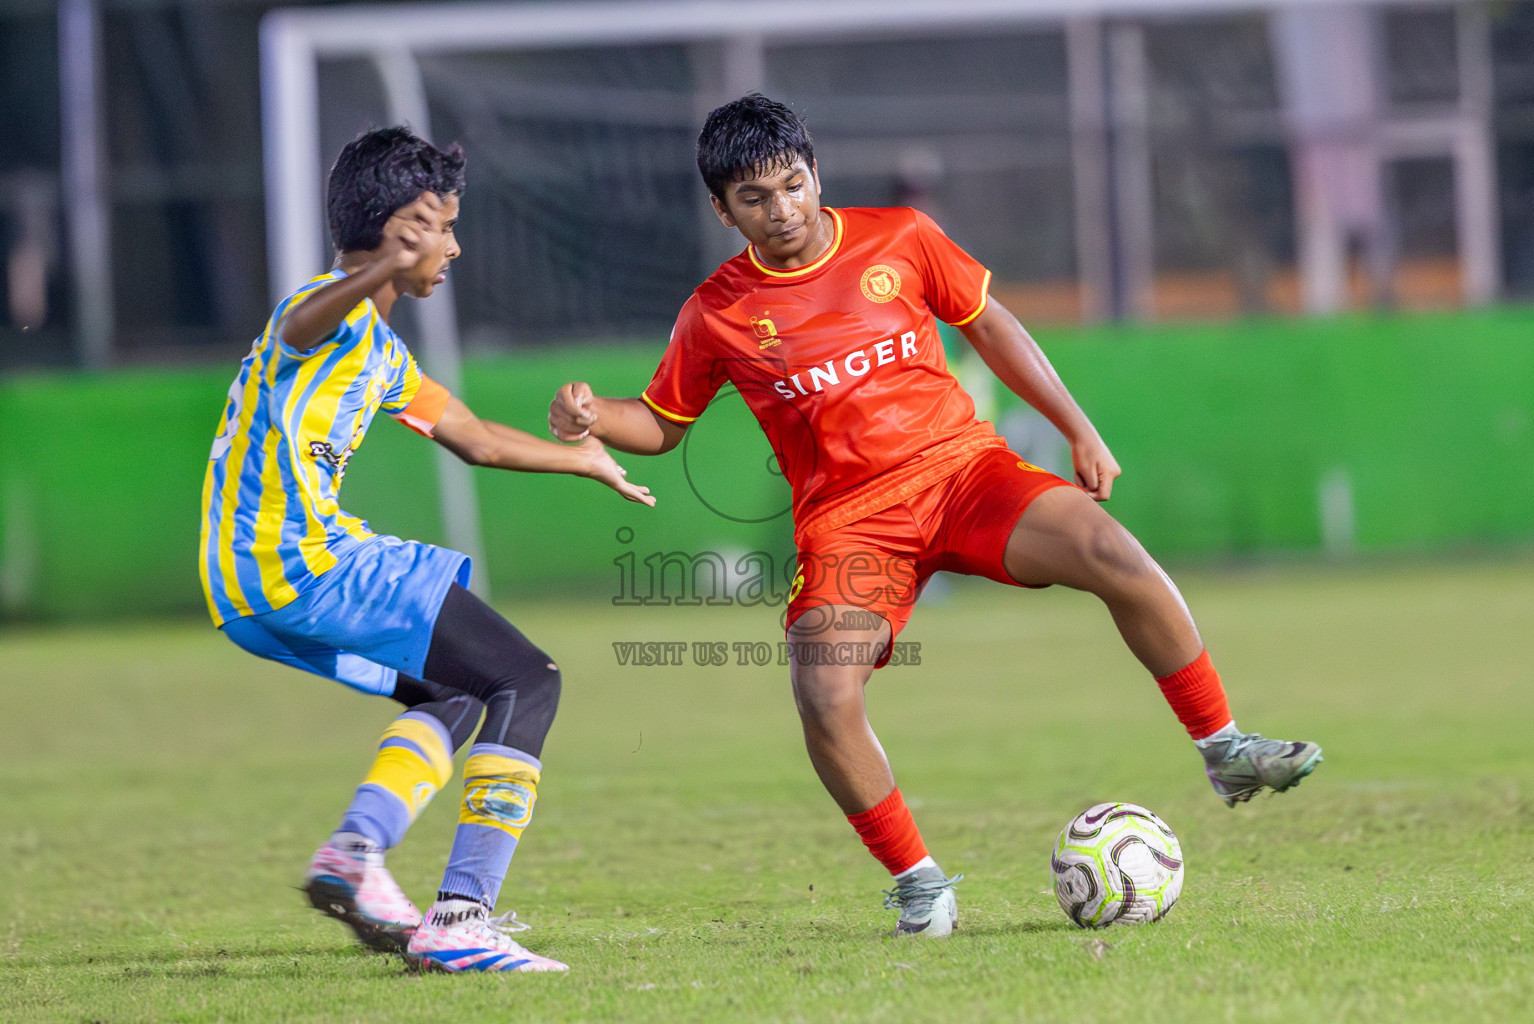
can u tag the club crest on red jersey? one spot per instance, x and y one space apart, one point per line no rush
880 283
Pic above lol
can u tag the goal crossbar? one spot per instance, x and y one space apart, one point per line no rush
294 39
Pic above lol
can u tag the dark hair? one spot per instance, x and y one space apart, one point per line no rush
378 173
750 137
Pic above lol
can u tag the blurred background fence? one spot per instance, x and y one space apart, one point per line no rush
1277 250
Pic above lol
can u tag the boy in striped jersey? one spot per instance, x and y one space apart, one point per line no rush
291 577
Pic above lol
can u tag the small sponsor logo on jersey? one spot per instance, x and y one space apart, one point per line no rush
1030 467
880 283
324 451
766 332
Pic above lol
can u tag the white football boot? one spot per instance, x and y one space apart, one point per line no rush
1245 764
928 906
348 881
460 935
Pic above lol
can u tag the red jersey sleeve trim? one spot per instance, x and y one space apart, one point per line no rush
674 417
825 257
985 298
426 407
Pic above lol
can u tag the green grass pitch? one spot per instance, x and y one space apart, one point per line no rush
160 793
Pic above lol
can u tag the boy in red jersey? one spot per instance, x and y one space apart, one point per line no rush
826 324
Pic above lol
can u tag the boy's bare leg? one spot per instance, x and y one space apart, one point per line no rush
1065 538
842 746
851 763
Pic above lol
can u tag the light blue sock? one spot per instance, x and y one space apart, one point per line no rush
500 787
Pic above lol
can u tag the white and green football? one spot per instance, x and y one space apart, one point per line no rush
1117 864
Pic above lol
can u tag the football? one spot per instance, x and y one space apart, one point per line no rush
1117 864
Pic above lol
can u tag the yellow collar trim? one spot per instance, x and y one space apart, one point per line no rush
825 257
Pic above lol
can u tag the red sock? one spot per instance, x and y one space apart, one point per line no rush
890 833
1197 697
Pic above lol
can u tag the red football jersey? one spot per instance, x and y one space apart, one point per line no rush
840 361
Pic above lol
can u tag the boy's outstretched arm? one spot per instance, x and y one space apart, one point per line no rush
487 443
405 237
1018 362
626 424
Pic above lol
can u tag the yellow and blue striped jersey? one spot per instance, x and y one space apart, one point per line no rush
271 523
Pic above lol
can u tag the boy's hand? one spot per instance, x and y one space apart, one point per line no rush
1096 468
572 412
601 467
408 234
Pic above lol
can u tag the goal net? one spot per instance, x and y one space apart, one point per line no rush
1105 158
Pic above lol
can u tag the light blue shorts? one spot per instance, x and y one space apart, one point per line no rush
366 620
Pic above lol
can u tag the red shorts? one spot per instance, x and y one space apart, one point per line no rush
881 562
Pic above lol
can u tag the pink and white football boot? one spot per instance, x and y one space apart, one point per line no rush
348 881
460 935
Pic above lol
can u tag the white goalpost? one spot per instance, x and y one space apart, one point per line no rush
293 40
1109 153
